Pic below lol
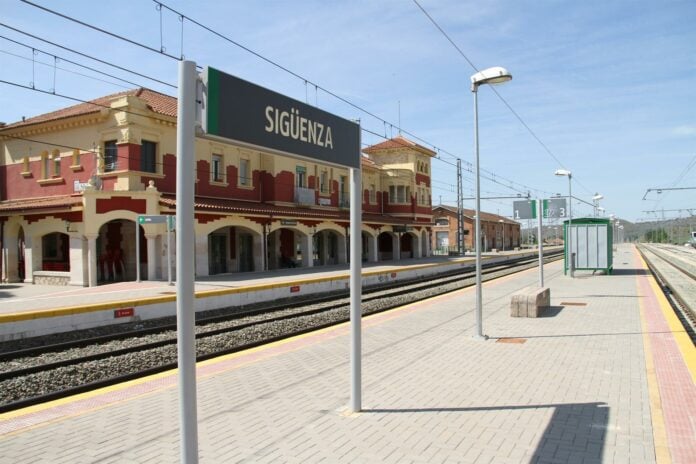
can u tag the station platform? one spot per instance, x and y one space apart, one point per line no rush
607 375
28 310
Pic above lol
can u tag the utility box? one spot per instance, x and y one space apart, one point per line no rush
591 241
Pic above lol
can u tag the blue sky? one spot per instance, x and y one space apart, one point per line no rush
607 86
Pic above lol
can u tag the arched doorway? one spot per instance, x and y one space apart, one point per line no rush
385 246
406 246
368 245
287 248
21 246
231 249
326 247
116 249
55 252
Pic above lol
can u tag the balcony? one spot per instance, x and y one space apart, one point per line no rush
305 196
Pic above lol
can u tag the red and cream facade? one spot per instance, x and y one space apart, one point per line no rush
74 181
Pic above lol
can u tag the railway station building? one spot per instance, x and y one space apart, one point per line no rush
74 181
497 232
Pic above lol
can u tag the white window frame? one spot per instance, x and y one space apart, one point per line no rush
217 168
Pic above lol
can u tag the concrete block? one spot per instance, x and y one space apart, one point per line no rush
538 301
530 302
518 304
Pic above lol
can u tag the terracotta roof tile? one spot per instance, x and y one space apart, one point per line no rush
470 213
41 203
157 102
398 142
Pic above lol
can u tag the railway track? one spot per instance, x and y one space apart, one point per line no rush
38 374
677 279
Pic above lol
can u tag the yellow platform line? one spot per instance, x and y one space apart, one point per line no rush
145 301
681 337
687 350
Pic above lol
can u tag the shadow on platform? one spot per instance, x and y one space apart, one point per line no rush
552 311
619 272
576 432
3 290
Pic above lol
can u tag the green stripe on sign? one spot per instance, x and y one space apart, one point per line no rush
213 112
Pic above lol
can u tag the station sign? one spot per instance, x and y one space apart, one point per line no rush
238 110
552 208
525 209
555 208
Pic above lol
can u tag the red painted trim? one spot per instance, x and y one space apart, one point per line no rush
206 218
73 216
310 223
105 205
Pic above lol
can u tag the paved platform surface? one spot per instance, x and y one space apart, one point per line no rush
605 376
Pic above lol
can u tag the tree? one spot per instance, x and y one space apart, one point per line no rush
657 236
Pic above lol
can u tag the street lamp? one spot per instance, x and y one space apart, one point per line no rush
503 223
569 245
491 76
595 200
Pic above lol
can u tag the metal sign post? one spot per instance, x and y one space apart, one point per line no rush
170 226
185 283
551 208
355 292
540 238
155 219
137 250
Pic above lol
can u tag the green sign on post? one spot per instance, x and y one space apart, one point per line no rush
554 208
152 219
524 209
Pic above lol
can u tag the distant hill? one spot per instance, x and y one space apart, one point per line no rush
669 231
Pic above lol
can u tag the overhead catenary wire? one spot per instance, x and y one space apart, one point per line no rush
104 31
495 178
279 66
99 60
65 69
505 102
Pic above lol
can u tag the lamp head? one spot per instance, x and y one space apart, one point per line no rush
491 76
597 197
562 172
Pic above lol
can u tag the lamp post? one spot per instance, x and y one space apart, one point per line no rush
569 245
503 224
490 76
595 200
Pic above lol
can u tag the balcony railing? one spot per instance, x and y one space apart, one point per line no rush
305 196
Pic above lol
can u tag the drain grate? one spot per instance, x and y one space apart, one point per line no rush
511 340
167 293
572 303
